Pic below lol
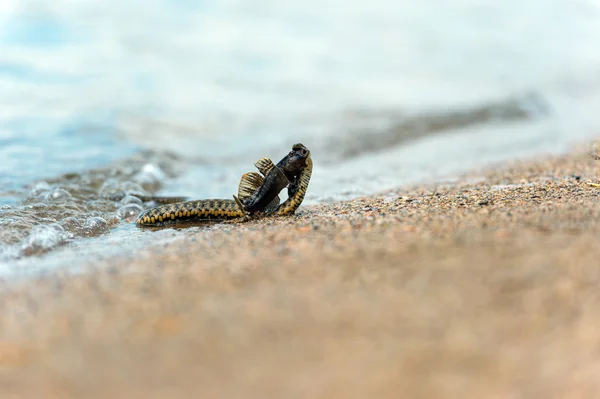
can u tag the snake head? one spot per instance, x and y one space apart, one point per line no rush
296 160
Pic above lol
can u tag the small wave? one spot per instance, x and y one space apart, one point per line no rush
401 129
56 211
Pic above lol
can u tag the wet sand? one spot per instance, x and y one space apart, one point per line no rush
486 287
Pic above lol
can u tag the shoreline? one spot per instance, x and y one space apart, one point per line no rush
482 287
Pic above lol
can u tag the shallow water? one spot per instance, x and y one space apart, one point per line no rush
183 98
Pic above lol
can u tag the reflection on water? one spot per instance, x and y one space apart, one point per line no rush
33 149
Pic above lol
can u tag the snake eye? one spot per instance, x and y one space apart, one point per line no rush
304 152
291 154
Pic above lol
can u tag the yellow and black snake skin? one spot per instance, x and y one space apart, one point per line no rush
296 197
222 209
200 210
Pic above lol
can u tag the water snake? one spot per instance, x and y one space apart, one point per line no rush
257 194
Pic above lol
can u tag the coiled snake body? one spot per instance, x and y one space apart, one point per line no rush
257 194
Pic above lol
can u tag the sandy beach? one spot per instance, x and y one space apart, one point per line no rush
483 287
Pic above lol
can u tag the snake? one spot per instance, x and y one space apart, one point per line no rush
258 194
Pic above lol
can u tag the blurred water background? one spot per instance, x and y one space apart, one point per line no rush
180 97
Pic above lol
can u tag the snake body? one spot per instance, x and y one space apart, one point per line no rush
296 191
293 171
199 210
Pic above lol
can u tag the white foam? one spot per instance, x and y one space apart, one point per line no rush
58 195
95 226
129 213
43 238
150 177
